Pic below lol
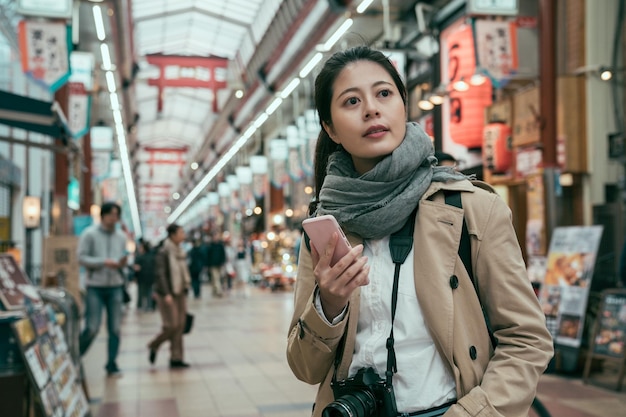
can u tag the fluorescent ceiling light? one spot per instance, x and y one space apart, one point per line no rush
290 87
260 120
130 186
274 105
117 117
337 35
111 82
115 103
363 6
106 58
311 64
249 131
97 18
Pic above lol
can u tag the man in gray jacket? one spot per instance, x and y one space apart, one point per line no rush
102 251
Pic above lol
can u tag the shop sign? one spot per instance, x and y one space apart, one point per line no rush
73 194
492 7
44 47
45 8
527 161
101 138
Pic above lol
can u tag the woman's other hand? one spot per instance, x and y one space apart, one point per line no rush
337 283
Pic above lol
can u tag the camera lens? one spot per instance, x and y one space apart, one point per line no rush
356 404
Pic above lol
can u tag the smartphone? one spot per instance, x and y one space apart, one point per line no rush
320 229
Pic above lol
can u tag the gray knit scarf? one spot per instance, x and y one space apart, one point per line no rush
379 202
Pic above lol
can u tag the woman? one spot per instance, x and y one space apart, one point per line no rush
372 171
172 283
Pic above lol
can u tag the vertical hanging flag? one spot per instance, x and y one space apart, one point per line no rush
79 101
44 46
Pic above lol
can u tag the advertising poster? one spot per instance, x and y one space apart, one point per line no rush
16 290
571 260
610 335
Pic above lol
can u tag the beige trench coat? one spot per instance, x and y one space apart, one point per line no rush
488 383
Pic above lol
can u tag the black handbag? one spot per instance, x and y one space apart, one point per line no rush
188 323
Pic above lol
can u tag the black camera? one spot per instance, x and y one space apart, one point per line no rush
364 395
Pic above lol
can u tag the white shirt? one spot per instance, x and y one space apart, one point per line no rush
423 380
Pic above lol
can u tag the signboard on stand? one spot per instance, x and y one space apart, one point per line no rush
55 379
609 333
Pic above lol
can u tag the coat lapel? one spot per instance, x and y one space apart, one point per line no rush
437 234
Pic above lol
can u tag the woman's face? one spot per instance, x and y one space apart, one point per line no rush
368 114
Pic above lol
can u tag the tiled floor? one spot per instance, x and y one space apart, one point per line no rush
237 353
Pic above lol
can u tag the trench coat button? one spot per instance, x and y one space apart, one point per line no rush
472 353
454 282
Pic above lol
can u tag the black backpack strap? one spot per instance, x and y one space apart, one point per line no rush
453 198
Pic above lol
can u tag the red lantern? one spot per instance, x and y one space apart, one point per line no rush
497 147
467 108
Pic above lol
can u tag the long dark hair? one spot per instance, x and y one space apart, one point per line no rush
324 84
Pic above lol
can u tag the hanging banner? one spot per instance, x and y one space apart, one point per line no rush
565 290
258 165
497 49
44 46
79 101
78 110
278 168
293 158
309 128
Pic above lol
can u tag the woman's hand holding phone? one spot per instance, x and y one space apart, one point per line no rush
337 276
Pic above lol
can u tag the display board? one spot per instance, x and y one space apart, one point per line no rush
16 290
565 290
55 379
609 333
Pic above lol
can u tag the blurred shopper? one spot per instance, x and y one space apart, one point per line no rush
243 269
216 259
102 251
197 261
228 272
172 283
401 321
145 272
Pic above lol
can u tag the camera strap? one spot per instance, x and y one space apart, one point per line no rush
400 244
